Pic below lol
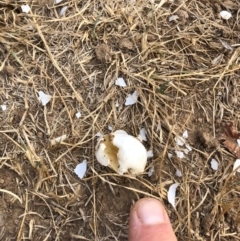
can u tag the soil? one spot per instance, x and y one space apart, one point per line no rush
186 74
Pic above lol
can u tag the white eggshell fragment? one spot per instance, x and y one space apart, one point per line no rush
236 165
170 155
150 171
121 152
4 107
142 135
99 134
214 164
78 114
185 134
117 104
172 193
120 82
225 14
81 169
178 173
179 154
25 8
188 147
179 140
63 10
131 99
101 156
44 98
238 142
149 153
173 18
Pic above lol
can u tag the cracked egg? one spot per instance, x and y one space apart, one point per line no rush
121 152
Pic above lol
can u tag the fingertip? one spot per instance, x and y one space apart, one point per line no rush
149 222
149 211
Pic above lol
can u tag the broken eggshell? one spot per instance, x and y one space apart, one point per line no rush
121 152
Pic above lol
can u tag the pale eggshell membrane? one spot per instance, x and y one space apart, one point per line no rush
121 152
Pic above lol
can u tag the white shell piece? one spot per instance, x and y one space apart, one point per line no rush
63 10
238 142
100 154
178 173
150 171
225 14
173 18
99 134
44 98
120 82
25 8
214 164
78 114
81 169
4 107
120 132
172 193
132 98
188 147
236 165
170 155
185 134
131 154
179 140
180 154
149 153
142 136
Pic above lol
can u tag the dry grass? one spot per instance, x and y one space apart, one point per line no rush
187 75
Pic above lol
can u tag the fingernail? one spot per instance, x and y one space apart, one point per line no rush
151 212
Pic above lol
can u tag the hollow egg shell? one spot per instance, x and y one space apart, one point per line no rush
122 152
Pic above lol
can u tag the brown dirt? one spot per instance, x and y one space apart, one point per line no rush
186 73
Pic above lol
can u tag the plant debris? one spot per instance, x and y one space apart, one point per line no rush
229 136
58 140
